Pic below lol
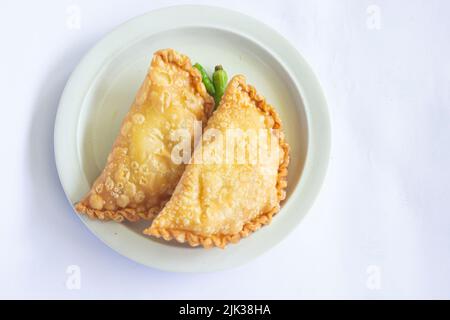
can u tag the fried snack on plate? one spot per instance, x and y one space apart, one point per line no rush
228 192
140 176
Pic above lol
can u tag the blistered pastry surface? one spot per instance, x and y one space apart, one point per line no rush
218 201
140 176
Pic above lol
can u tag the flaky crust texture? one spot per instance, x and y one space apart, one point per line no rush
264 218
131 214
182 61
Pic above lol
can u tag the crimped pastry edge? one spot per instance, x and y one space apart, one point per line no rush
255 224
129 214
132 214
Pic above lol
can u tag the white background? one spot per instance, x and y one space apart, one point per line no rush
380 228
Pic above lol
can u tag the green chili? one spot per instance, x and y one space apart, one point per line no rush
220 80
206 80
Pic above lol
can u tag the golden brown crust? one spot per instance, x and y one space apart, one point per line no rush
182 61
265 218
129 214
132 214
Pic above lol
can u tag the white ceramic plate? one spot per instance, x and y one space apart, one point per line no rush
102 88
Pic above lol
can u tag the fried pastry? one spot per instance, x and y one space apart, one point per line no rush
226 192
139 176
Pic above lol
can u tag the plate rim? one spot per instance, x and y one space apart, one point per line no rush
317 117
